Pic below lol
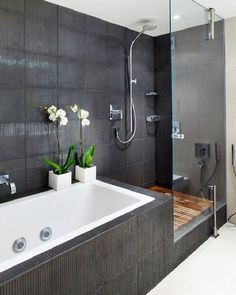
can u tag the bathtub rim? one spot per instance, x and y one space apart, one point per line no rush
45 257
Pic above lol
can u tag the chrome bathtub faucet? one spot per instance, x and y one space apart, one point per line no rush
4 179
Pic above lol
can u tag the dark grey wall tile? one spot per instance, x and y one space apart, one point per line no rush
40 138
41 9
151 269
13 5
97 102
119 248
37 143
12 64
41 37
116 32
96 77
12 137
70 73
36 281
153 226
124 283
115 53
74 275
95 25
11 30
149 174
12 100
69 97
71 19
135 174
37 172
71 43
134 153
99 132
41 70
69 134
149 148
35 101
96 49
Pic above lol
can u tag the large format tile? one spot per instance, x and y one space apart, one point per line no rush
41 9
36 281
36 100
12 30
70 73
121 284
10 98
41 37
71 19
13 5
71 43
153 227
41 70
12 68
151 269
12 136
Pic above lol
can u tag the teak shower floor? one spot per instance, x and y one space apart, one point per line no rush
186 207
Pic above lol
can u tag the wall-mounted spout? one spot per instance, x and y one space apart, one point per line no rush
4 180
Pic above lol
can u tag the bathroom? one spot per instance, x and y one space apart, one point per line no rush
117 142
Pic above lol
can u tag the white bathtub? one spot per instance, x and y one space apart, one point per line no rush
68 213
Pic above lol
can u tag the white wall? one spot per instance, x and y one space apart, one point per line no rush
230 54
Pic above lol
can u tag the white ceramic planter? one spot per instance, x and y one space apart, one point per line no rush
85 174
59 182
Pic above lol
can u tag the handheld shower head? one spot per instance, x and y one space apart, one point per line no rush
149 27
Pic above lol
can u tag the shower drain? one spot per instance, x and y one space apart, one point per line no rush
45 234
19 245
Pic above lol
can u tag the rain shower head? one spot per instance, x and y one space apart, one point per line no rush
149 27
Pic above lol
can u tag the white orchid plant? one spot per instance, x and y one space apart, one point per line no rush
85 158
57 116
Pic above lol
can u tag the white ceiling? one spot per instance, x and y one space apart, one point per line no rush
224 8
134 13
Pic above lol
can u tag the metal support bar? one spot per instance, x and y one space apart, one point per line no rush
212 195
211 24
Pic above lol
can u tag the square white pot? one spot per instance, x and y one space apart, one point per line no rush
85 174
59 182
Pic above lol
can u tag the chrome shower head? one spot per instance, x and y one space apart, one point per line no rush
149 27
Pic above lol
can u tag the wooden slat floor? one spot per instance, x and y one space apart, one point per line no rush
186 207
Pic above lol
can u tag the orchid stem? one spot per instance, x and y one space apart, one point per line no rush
60 155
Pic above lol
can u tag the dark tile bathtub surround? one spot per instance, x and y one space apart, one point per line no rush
128 253
53 55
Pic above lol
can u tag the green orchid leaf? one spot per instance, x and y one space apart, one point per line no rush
56 168
69 154
92 150
79 160
67 166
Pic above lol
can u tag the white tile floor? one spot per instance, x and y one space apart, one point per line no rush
210 270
